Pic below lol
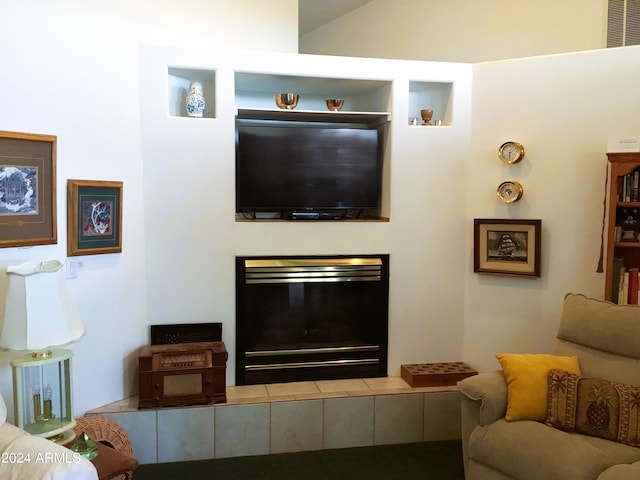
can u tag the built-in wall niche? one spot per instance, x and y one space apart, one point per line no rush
436 96
179 82
257 90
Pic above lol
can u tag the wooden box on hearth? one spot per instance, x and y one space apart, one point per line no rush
435 374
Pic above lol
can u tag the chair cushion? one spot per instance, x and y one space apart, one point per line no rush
621 472
526 376
601 325
529 450
594 407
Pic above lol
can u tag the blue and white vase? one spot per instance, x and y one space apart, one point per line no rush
195 100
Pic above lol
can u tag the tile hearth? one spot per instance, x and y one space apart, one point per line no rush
288 417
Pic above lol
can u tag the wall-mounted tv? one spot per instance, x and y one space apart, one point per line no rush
290 166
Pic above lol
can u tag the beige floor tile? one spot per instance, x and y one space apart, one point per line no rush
296 388
247 391
129 404
328 386
388 383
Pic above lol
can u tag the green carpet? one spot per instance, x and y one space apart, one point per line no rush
425 461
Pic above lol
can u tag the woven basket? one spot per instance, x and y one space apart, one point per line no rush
106 431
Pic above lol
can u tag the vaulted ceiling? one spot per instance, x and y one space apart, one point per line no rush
313 13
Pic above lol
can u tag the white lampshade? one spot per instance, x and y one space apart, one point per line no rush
38 312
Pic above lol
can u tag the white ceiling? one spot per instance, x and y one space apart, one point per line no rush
313 13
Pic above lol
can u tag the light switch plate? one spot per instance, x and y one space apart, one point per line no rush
72 268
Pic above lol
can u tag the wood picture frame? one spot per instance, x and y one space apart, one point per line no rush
94 217
507 246
28 213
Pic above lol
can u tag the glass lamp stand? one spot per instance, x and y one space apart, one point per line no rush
43 401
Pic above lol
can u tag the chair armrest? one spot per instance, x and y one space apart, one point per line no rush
483 401
489 392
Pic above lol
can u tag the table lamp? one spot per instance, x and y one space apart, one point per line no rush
38 316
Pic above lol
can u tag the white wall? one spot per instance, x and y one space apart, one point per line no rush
562 108
193 238
85 72
71 68
462 30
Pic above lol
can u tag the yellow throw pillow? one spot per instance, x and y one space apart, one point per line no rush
527 383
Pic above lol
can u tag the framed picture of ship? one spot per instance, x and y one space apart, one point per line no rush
507 246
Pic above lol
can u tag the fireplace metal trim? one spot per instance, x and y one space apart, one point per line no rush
327 363
311 262
305 270
298 351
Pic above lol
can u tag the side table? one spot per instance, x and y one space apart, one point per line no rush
115 458
111 464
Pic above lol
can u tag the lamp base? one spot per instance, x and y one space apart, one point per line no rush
64 438
41 355
43 400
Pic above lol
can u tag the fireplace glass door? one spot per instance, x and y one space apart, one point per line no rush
311 318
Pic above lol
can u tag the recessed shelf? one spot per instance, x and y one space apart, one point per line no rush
365 118
436 96
179 82
257 90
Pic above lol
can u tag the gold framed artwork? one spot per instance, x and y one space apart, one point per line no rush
507 246
94 217
27 189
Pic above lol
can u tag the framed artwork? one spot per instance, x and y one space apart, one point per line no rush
507 247
27 189
94 217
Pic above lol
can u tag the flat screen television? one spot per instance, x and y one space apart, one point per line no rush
307 167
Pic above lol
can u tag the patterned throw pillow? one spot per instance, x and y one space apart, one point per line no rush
594 407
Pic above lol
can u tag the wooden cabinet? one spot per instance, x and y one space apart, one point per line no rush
182 374
623 219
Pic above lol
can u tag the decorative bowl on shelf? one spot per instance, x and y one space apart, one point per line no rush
334 104
427 115
287 101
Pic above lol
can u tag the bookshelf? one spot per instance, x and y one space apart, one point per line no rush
623 228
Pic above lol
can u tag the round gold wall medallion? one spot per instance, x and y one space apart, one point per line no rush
510 191
511 152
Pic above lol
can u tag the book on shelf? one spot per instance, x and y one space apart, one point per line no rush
626 284
618 266
632 295
629 187
623 295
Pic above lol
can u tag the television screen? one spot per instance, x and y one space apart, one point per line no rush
285 167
